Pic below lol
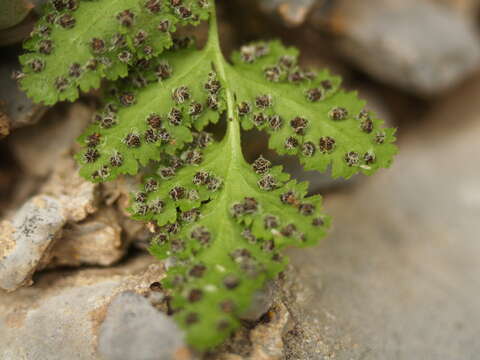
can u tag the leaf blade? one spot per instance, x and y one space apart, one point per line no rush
72 49
289 99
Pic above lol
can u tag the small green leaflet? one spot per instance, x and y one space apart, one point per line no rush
223 224
307 114
151 112
77 43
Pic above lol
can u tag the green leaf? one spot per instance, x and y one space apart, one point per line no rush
78 43
166 98
220 221
306 112
224 233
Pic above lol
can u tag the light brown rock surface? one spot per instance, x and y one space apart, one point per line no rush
65 314
96 241
26 238
33 147
419 46
84 235
15 103
398 278
33 230
79 198
134 329
292 12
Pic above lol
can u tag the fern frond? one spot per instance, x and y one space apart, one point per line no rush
78 42
152 112
223 223
306 113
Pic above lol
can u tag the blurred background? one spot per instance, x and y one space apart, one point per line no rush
399 275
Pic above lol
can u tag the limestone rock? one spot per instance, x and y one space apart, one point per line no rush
424 47
264 340
134 329
117 193
33 147
262 301
467 8
267 342
13 12
95 241
26 238
79 197
421 47
37 226
292 12
398 276
66 314
19 108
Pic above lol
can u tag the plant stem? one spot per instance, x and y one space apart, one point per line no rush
233 136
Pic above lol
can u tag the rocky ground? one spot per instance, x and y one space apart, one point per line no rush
398 277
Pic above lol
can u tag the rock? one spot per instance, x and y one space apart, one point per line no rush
262 301
67 314
419 46
398 276
37 225
13 12
117 193
39 4
4 125
228 357
20 109
292 12
8 179
17 33
78 197
26 238
264 341
267 343
467 8
95 215
95 241
33 147
134 329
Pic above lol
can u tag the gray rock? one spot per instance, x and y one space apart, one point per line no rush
17 33
13 12
292 12
419 46
79 197
262 301
33 147
95 241
467 8
18 107
398 278
93 234
62 316
267 342
26 238
134 329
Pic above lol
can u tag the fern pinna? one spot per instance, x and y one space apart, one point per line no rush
221 221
